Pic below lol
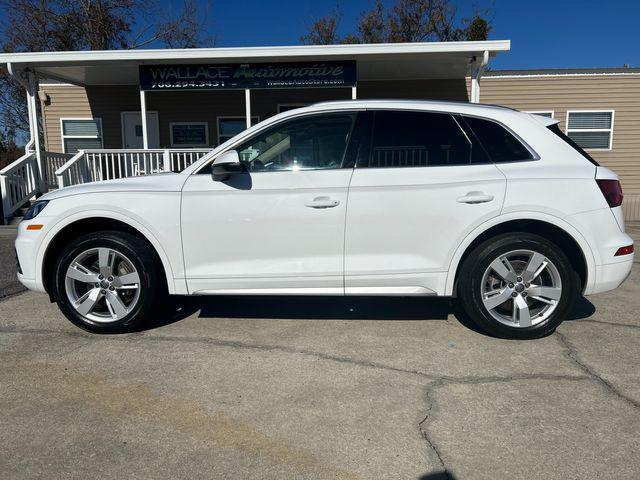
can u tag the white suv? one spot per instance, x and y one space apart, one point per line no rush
494 206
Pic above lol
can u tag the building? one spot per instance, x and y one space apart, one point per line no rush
598 108
90 103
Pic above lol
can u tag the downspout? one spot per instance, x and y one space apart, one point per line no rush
27 79
477 69
28 148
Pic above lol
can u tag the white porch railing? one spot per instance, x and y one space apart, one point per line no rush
95 165
19 181
52 162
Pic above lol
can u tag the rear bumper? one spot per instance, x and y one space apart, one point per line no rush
611 276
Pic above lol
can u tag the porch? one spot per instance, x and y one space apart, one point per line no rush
105 115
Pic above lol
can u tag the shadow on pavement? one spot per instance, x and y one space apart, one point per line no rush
441 475
329 308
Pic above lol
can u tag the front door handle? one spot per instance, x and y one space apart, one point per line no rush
475 197
322 202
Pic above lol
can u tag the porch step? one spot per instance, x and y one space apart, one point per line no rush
18 214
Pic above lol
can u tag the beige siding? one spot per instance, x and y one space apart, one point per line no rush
620 93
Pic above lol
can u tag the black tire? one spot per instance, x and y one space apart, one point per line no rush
152 290
471 276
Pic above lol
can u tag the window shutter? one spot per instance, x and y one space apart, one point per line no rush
81 128
589 120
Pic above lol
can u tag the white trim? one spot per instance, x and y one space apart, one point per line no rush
534 75
232 117
191 145
57 85
149 112
63 136
248 53
247 107
538 112
610 130
143 118
291 105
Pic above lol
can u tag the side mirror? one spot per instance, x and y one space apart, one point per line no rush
226 165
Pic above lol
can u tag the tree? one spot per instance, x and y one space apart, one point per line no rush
406 21
59 25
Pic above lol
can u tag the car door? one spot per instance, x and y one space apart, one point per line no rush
419 188
278 227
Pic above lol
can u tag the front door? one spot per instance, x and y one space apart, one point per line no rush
132 130
419 189
279 227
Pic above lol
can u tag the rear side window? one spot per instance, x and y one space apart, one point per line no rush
417 139
499 143
555 129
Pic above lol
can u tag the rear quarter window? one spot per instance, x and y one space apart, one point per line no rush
500 144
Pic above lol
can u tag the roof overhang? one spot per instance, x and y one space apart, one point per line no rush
385 61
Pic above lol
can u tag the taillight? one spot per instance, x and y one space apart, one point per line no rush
624 250
612 192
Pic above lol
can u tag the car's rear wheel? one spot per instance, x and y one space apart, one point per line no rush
518 285
106 282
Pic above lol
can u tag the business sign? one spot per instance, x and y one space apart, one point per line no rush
248 75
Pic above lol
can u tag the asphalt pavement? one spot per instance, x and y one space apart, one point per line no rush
347 388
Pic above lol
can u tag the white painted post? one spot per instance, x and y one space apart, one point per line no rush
477 69
143 114
32 92
354 93
166 160
247 102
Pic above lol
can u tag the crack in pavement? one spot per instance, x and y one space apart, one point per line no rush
471 379
445 381
603 322
435 381
572 354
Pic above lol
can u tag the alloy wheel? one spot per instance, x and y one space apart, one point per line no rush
102 284
521 288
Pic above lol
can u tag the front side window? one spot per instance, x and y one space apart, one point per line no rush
591 130
498 142
417 139
81 134
307 143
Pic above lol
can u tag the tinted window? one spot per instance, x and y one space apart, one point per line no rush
308 143
501 145
417 139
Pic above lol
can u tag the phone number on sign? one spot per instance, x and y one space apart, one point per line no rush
187 84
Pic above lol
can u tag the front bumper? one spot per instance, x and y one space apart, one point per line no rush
27 247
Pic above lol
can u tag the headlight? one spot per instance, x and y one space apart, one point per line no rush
35 209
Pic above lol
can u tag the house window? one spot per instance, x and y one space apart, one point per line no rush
229 127
81 134
591 129
542 113
189 134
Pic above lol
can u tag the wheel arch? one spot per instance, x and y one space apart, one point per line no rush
572 243
80 225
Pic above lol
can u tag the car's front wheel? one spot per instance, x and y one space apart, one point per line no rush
518 285
107 282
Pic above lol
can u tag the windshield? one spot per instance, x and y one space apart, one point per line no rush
555 129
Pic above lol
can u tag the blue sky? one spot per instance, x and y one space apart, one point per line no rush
544 34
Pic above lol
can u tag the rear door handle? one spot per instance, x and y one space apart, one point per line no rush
322 202
475 197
